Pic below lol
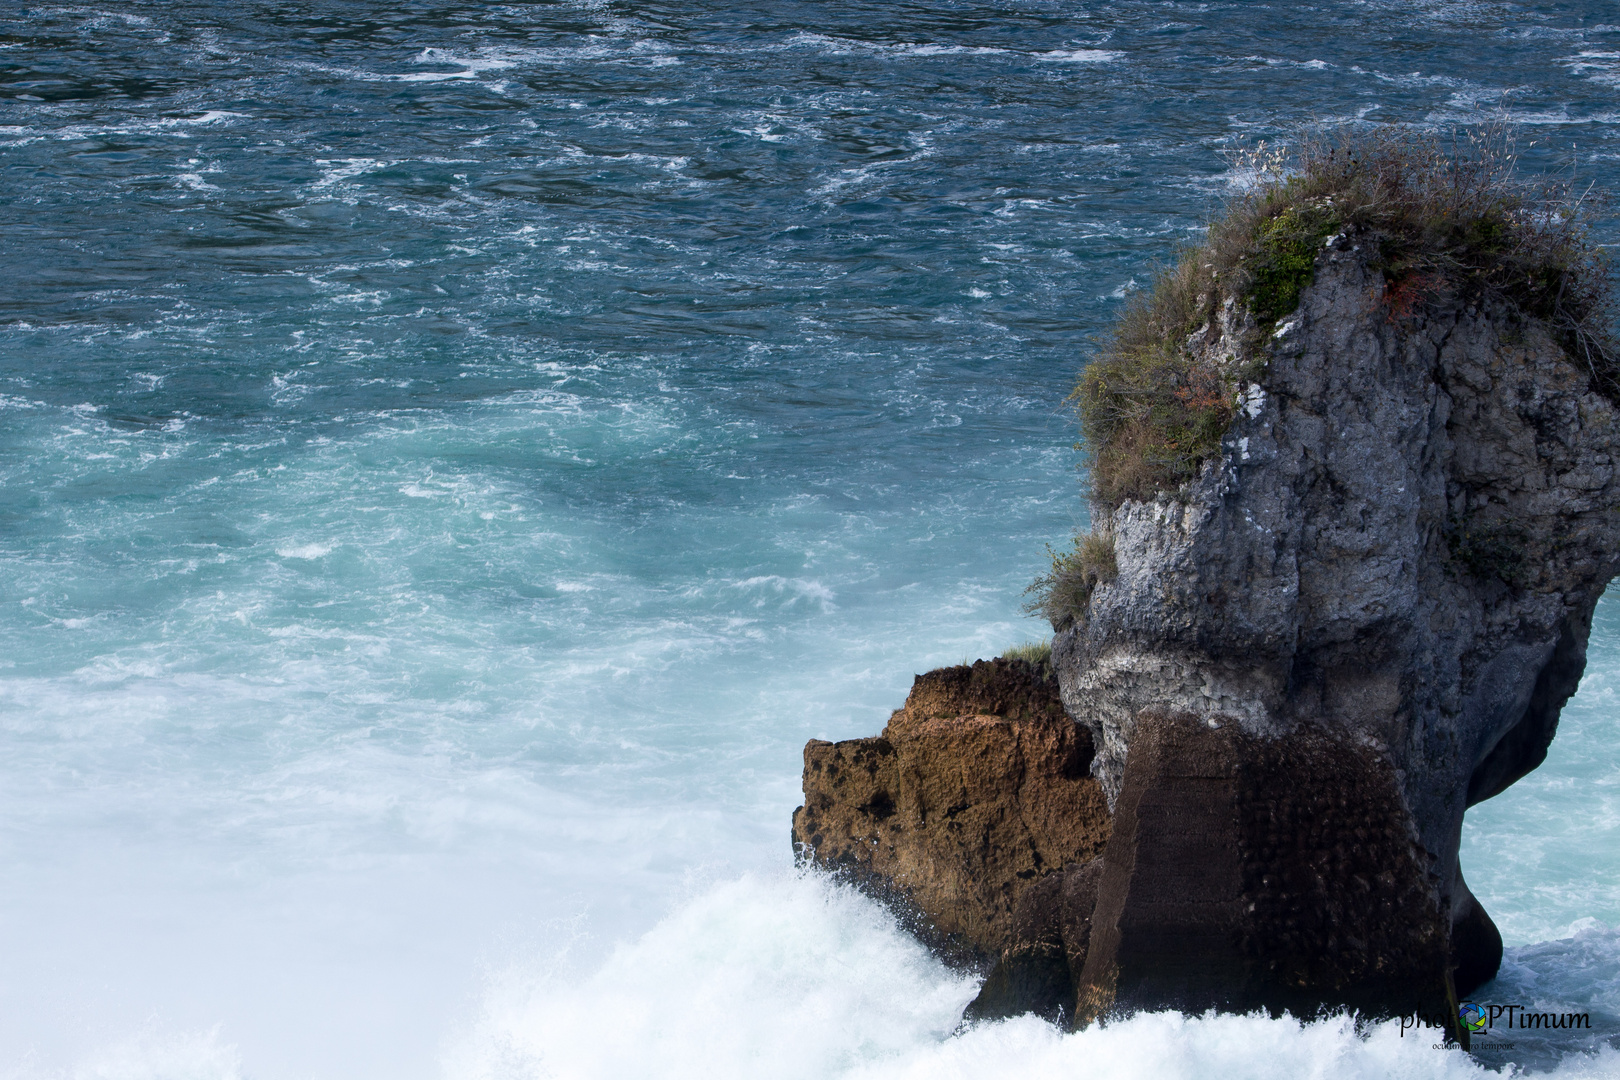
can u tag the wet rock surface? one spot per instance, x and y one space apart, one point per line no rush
1039 970
1249 872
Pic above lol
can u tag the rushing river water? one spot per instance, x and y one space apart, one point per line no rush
453 457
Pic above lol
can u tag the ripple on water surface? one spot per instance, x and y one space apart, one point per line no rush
452 457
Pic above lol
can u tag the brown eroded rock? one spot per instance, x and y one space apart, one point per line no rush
977 788
1040 969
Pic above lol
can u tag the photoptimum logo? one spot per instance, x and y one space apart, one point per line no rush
1482 1019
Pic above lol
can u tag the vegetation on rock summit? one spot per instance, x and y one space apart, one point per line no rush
1457 222
1442 222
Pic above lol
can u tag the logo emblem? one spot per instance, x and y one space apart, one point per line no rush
1472 1017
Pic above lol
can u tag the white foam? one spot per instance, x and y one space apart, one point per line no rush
840 46
1308 65
791 589
304 551
795 978
212 116
1081 56
471 67
335 172
1598 65
788 978
948 50
158 1056
1170 1046
97 14
73 132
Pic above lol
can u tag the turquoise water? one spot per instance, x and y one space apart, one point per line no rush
452 458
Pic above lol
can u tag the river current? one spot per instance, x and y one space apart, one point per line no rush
453 457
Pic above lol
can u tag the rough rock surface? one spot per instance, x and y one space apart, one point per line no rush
1251 872
1039 970
1363 618
977 788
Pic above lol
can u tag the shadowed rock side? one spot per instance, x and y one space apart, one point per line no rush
1261 873
1363 618
977 788
1039 969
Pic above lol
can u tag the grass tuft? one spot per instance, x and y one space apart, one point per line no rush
1063 593
1036 653
1444 221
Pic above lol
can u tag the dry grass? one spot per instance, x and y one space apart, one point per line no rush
1038 654
1450 220
1063 593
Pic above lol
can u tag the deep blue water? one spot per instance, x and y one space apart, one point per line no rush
452 457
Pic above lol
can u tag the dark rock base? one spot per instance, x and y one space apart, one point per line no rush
1274 873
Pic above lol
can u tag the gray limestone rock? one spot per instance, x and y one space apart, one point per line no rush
1392 567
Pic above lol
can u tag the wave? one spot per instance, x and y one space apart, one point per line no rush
791 976
1081 56
797 978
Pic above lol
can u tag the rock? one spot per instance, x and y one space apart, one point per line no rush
975 790
1363 618
1039 970
1250 872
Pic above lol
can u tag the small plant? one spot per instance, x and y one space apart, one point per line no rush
1151 418
1038 654
1153 408
1063 593
1486 550
1286 258
1406 296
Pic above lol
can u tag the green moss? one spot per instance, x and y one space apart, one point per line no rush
1286 260
1153 411
1063 593
1486 550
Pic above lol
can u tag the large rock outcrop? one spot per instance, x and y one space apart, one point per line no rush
976 789
1363 618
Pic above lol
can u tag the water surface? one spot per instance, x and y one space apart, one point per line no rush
453 457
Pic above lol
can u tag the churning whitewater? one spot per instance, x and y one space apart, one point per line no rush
453 457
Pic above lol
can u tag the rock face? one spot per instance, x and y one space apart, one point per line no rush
976 789
1051 935
1362 619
